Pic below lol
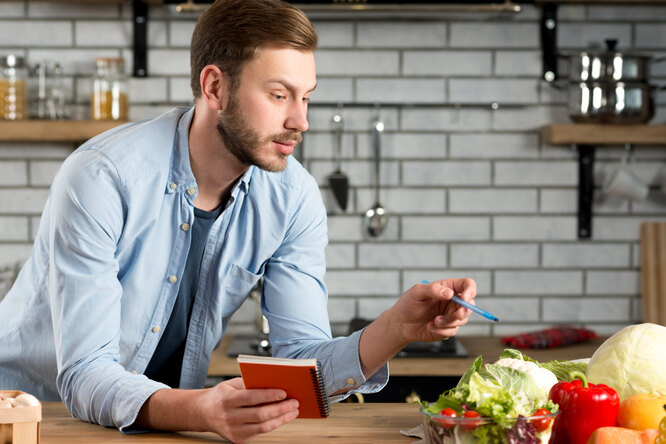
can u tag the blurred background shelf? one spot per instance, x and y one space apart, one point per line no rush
603 134
53 130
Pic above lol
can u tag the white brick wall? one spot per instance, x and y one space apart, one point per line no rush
494 35
442 228
496 255
471 191
497 200
408 35
401 90
13 229
544 228
494 146
447 63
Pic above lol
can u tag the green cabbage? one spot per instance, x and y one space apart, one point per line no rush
632 361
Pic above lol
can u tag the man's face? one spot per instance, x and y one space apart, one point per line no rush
267 113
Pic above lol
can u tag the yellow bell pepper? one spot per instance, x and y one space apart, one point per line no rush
661 438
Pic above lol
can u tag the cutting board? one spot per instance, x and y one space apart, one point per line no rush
653 271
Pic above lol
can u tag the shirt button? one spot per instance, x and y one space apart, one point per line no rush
173 279
173 185
351 381
185 226
191 191
156 329
134 372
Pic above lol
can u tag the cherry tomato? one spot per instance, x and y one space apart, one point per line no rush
541 424
445 422
469 423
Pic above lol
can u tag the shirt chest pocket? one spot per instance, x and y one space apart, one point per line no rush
237 286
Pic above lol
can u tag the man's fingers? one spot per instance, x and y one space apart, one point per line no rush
245 432
239 397
464 287
267 413
443 332
250 421
445 326
255 397
449 321
239 414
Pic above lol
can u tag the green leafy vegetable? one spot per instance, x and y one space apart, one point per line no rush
561 369
497 392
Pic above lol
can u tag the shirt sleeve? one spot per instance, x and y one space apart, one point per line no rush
295 301
86 221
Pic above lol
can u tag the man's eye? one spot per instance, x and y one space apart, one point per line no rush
278 96
306 100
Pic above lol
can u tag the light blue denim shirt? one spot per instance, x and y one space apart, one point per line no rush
86 311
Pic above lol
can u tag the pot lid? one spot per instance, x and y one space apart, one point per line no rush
611 51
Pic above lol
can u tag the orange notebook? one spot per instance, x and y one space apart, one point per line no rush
302 379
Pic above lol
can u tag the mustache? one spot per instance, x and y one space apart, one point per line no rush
288 137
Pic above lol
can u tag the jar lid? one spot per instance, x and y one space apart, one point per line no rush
12 61
109 61
113 64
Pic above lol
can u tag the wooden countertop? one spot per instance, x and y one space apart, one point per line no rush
348 423
489 347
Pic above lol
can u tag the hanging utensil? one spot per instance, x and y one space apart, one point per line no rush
376 217
337 179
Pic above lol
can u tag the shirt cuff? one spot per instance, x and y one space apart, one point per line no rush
128 410
346 370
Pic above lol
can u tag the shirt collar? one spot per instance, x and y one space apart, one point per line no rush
181 170
181 176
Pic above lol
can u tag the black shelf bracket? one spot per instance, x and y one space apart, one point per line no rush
548 34
585 189
140 62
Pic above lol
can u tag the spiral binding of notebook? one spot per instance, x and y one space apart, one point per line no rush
320 391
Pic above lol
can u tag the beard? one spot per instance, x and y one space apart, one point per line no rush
245 143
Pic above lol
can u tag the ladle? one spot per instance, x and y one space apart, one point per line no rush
376 217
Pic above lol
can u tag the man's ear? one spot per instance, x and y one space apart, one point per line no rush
214 87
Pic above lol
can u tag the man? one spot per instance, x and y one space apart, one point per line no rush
154 233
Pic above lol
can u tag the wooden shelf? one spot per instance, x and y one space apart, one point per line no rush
599 134
53 130
587 138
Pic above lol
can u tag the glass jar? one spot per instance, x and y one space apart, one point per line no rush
47 92
13 88
109 90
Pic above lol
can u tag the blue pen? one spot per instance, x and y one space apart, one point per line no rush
472 307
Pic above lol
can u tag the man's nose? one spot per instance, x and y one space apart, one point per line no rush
297 120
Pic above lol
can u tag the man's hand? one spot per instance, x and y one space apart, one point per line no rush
227 409
239 414
424 313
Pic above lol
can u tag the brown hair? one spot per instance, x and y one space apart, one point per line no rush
229 32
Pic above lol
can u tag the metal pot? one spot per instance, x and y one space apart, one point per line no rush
611 102
609 65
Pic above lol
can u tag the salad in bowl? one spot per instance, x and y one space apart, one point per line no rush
503 402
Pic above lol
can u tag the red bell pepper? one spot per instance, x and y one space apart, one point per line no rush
583 409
